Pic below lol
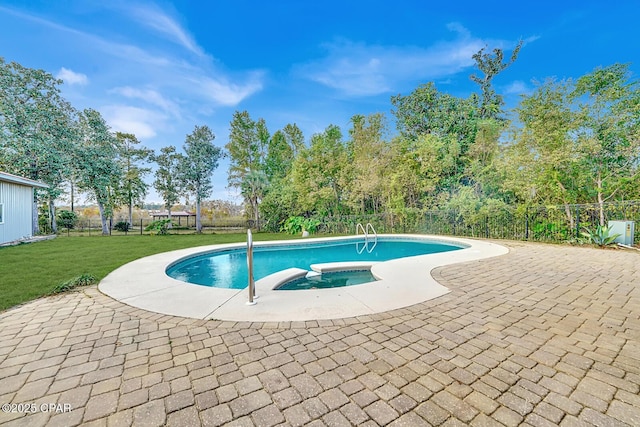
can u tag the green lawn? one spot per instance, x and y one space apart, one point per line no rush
31 270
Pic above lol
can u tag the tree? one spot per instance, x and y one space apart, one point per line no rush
67 219
579 141
426 111
541 162
368 155
200 160
317 174
96 163
294 137
281 151
37 130
277 203
608 130
167 182
253 190
132 188
482 171
491 65
246 147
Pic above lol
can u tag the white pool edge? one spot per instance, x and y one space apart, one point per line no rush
403 282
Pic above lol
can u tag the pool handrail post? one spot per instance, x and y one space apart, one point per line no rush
252 284
359 227
375 237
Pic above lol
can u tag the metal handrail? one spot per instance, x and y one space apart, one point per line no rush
370 226
375 237
252 284
365 232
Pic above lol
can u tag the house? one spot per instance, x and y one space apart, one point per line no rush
16 207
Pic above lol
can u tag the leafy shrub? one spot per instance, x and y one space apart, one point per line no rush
298 224
83 280
160 226
311 225
122 226
549 231
601 236
67 219
293 225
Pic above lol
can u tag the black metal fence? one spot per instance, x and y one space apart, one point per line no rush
93 226
557 223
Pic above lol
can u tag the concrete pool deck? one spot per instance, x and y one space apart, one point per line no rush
546 335
402 282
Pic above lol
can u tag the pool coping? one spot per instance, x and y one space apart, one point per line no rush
402 282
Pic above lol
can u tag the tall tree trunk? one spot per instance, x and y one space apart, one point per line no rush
130 210
567 208
256 213
34 215
198 221
103 219
170 225
52 215
600 199
567 211
72 196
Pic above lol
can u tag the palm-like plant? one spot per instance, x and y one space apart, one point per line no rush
253 188
601 236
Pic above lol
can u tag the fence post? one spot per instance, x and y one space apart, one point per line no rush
526 223
577 222
141 226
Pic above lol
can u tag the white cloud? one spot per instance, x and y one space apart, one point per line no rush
196 83
517 87
71 77
358 69
225 93
141 122
149 96
153 17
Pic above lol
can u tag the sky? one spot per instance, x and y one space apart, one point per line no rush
158 69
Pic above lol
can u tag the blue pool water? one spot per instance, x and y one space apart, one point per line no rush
228 268
336 279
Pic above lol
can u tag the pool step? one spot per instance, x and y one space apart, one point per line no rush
342 266
312 274
274 280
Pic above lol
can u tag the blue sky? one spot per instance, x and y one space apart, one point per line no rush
157 69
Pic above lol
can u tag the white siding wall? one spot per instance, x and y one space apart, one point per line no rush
17 202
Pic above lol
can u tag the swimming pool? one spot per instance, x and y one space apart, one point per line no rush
228 268
402 282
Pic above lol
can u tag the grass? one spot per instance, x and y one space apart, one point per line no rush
32 270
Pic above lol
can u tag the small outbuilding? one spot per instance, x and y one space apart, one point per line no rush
16 207
174 215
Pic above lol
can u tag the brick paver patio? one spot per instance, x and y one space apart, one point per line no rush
544 336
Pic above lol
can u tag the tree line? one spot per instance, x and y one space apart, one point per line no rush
568 141
42 137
